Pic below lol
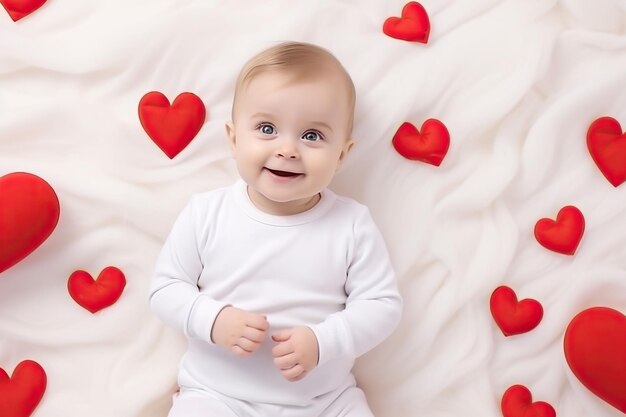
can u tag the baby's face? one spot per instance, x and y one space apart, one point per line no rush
288 138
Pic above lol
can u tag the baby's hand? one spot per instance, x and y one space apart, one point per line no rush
296 353
239 331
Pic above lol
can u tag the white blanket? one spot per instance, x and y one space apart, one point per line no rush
517 83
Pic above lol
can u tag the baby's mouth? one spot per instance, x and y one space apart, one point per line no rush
283 173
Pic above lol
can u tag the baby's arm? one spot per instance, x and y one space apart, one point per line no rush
373 307
176 299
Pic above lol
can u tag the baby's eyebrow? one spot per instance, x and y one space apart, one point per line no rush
263 115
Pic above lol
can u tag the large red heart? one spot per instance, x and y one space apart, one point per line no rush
413 25
173 127
517 401
595 350
564 234
430 146
29 213
18 9
512 316
607 146
20 394
94 295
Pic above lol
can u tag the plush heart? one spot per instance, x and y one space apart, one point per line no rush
517 401
512 316
413 25
29 213
18 9
173 127
20 394
595 350
607 146
564 234
430 146
94 295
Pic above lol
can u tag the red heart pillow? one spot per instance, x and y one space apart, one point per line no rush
512 316
413 25
564 234
430 146
173 127
607 146
20 394
595 350
517 401
29 212
18 9
94 295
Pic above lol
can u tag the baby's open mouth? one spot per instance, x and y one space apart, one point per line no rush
283 173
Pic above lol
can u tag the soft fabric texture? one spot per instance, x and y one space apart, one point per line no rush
517 83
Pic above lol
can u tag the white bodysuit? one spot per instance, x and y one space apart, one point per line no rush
326 268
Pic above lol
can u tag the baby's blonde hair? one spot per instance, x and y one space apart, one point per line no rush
299 60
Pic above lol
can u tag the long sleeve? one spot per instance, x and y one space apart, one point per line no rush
174 294
373 306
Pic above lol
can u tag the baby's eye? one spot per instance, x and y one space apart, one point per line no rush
266 129
312 136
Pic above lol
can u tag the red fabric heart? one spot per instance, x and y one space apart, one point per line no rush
564 234
413 25
430 146
517 401
94 295
595 350
18 9
607 146
173 127
20 394
512 316
29 213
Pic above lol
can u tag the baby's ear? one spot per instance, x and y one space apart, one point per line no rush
230 133
346 149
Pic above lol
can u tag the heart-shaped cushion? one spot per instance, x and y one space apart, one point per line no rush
20 394
18 9
173 127
517 401
607 145
413 25
29 213
564 234
595 350
94 295
430 145
512 316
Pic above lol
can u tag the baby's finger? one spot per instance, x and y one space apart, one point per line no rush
253 334
237 350
257 321
285 362
292 373
247 344
282 349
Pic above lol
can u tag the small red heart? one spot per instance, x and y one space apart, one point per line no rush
607 146
29 213
512 316
430 146
413 25
564 234
98 294
18 9
20 394
517 401
173 127
595 350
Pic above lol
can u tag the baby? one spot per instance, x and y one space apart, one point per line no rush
278 283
